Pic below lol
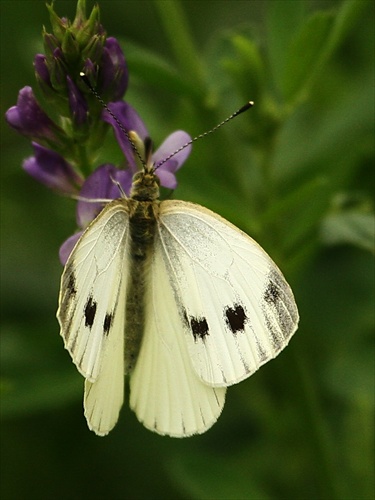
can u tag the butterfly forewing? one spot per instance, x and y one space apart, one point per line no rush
92 283
238 310
165 392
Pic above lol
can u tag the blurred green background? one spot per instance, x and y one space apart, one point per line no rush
296 172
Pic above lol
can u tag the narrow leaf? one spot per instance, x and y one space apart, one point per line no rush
305 54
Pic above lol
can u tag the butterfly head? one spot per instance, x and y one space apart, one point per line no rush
146 185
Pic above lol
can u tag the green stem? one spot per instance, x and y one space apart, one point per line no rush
82 160
181 42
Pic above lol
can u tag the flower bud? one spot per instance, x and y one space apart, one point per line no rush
77 103
28 118
50 168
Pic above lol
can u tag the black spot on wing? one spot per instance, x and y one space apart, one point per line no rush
185 318
271 293
71 285
107 323
235 318
90 311
199 328
279 310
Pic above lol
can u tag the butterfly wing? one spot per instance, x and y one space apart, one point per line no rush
165 392
104 398
92 313
239 311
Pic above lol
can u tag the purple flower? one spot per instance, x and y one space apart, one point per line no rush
77 103
113 70
28 118
62 152
41 69
99 185
52 170
57 68
131 121
166 172
50 42
89 69
67 247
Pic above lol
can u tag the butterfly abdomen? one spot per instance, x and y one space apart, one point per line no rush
142 223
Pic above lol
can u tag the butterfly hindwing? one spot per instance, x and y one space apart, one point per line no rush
238 309
165 392
104 398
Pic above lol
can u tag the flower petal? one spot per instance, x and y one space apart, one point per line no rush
77 103
167 179
171 144
114 71
52 170
100 185
90 70
41 69
130 120
29 119
167 169
67 247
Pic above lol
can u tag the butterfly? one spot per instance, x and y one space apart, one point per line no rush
173 295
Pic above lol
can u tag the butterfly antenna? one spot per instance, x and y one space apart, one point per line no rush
121 126
244 108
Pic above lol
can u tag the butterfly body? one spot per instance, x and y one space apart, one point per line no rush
143 212
179 298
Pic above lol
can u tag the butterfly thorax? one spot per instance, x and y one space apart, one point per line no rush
143 207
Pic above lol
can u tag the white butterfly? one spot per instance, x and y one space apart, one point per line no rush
178 298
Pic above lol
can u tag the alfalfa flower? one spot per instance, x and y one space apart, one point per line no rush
68 129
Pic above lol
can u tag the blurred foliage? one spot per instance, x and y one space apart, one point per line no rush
296 172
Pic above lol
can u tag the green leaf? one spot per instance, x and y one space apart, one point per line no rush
304 55
315 43
246 66
58 26
346 18
349 227
283 19
244 63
